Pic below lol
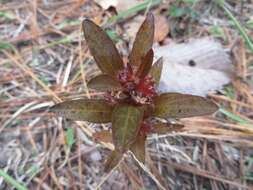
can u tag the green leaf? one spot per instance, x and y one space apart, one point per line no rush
218 32
8 15
113 160
12 181
126 120
138 147
249 24
161 128
176 12
156 70
6 45
175 105
104 83
102 48
146 64
67 23
237 24
70 137
143 41
235 117
96 111
113 35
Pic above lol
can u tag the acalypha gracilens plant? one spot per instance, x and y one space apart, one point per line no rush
131 102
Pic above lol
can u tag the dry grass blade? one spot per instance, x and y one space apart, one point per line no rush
203 173
146 170
17 60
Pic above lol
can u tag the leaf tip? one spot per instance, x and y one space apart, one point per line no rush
88 27
150 17
54 108
57 109
213 107
113 160
87 22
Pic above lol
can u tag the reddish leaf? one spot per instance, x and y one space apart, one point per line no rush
161 128
138 147
126 120
113 160
143 41
175 105
96 111
104 83
102 48
105 136
156 70
146 64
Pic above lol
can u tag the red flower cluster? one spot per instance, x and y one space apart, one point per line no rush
141 90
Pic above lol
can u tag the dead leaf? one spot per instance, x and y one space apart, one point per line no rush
161 28
105 136
197 67
118 4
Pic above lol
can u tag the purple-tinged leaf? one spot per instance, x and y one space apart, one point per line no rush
161 128
143 41
104 83
146 64
113 160
102 48
95 111
138 147
126 120
156 70
104 135
175 105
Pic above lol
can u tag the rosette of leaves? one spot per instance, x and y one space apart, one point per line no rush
131 102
